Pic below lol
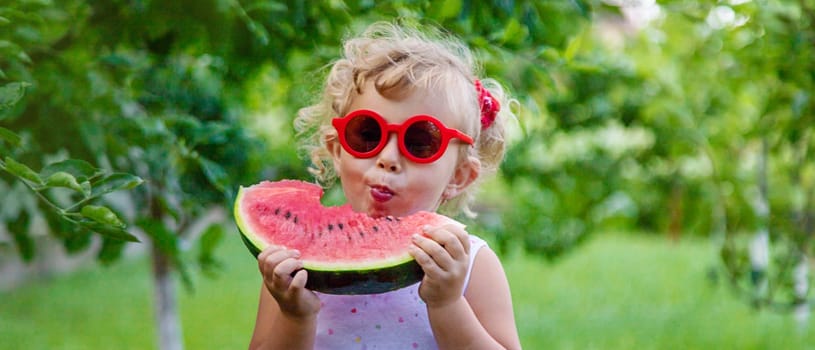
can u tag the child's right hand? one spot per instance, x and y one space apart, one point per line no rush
277 265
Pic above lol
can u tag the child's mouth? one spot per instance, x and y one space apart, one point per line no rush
381 193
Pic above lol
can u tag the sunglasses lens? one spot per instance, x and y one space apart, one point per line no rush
363 133
423 139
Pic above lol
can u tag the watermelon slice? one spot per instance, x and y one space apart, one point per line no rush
343 251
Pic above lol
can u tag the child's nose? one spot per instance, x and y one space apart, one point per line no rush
388 159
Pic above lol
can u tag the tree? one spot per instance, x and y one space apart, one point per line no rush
731 105
127 103
153 98
150 96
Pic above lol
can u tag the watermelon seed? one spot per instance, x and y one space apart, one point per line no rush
295 219
389 218
288 214
361 234
277 211
349 237
330 227
376 228
340 225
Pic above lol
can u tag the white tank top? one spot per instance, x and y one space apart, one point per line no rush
393 320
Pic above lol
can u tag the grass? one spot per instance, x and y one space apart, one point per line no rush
617 292
631 292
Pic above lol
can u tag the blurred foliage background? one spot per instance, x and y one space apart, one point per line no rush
126 120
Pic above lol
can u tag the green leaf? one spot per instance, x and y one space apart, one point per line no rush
211 133
63 179
209 240
266 7
549 54
80 169
170 206
111 250
12 93
184 272
514 32
211 237
115 182
58 225
442 10
22 171
215 173
168 243
164 239
259 31
10 137
25 58
78 240
112 232
102 215
573 47
19 231
115 60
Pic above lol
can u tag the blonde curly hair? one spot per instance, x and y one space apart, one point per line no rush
400 60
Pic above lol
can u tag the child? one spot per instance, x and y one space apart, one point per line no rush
389 164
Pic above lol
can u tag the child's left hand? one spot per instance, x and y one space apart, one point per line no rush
444 254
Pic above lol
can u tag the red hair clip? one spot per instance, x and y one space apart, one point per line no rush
488 104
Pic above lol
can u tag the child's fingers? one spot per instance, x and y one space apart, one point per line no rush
273 264
450 239
464 238
299 279
271 249
270 258
283 273
264 254
435 250
461 235
429 266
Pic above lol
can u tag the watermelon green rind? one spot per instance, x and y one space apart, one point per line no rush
250 245
365 281
254 244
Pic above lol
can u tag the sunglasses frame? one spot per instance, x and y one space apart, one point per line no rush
447 134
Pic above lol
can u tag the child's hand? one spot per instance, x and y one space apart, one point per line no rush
444 255
277 265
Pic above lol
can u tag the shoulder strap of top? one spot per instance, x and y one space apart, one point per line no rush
476 244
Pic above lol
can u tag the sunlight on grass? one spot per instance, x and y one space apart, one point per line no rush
617 292
623 292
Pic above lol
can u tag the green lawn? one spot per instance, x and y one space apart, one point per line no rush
617 292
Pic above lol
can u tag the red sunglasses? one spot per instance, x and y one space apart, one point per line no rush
422 139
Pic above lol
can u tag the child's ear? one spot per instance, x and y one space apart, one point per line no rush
465 174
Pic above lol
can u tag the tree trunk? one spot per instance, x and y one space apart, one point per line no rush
805 222
801 280
675 208
166 307
760 246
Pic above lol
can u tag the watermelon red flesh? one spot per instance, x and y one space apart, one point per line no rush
344 244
